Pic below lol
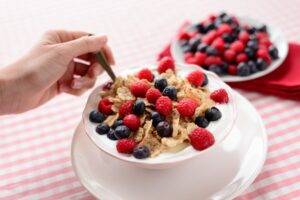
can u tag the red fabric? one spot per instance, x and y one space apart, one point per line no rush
283 82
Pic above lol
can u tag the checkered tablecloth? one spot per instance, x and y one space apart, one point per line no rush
35 146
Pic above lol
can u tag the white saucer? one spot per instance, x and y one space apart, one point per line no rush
227 170
276 36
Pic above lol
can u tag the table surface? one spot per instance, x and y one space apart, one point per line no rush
35 146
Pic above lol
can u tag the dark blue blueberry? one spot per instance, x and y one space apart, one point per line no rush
273 51
200 28
141 152
201 122
252 44
194 42
117 123
235 30
160 84
138 107
111 134
213 114
227 19
102 128
96 116
227 38
261 64
209 26
164 129
250 53
252 65
218 22
186 48
224 67
205 82
243 69
202 47
156 118
122 132
251 30
222 14
170 91
183 43
215 68
262 28
253 37
211 51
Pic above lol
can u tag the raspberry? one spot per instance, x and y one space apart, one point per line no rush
262 53
219 44
193 34
237 46
209 37
139 88
187 107
164 64
224 28
229 55
105 106
188 55
201 139
132 122
192 61
200 57
261 35
241 57
145 74
210 60
220 96
232 70
152 95
126 146
126 108
244 36
164 105
265 41
196 78
183 36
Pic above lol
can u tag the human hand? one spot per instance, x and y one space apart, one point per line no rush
49 69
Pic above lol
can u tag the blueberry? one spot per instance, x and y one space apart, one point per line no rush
156 118
164 129
249 52
251 30
194 42
218 22
160 84
209 26
224 67
211 51
273 51
261 64
253 37
96 116
122 132
183 43
252 44
252 66
102 128
222 14
227 19
111 134
202 47
141 152
262 28
243 69
205 82
186 48
170 91
213 114
201 122
227 38
138 107
200 28
235 30
117 123
215 68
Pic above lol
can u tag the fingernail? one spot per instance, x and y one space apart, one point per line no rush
103 39
76 85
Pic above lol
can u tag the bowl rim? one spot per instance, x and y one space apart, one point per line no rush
141 162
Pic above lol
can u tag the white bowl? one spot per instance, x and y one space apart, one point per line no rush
276 36
220 128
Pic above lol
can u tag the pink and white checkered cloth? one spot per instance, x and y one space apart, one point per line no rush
35 146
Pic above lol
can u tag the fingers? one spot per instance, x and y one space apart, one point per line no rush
84 45
109 55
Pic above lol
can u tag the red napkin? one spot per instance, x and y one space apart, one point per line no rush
283 82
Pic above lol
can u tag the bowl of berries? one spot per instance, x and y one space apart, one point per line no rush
235 48
158 116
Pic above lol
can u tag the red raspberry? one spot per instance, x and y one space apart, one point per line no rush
268 59
229 55
220 96
139 88
232 70
219 44
145 74
237 46
234 19
196 78
241 57
212 60
262 46
193 34
201 139
105 106
125 109
192 61
200 57
265 41
262 53
261 35
126 146
152 95
212 17
244 36
187 107
164 105
183 36
164 64
209 37
188 55
132 122
224 28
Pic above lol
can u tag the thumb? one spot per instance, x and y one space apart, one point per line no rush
85 44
